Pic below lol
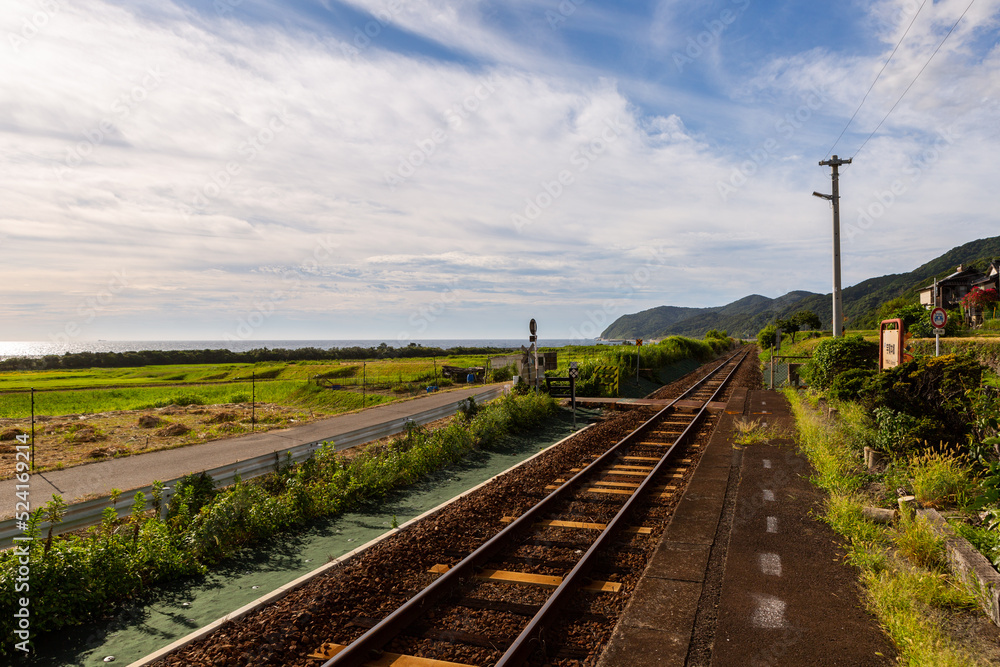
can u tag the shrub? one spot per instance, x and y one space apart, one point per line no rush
833 356
897 432
765 338
941 389
505 374
193 491
849 385
521 388
468 408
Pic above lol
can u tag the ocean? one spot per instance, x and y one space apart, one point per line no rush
41 348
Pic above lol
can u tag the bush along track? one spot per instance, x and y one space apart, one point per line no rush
78 578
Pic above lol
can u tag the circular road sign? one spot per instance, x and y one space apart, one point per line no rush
939 318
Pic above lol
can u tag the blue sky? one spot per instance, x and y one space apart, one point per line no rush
408 169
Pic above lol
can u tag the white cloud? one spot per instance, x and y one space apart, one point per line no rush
210 159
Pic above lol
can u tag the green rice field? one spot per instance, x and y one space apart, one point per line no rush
95 390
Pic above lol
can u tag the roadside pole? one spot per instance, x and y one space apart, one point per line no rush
533 339
574 371
638 354
32 429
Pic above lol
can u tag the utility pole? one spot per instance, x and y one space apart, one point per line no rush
838 302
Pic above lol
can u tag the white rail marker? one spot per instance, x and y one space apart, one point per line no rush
772 524
767 463
768 495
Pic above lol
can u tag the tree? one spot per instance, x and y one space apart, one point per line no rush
888 310
808 319
788 326
766 337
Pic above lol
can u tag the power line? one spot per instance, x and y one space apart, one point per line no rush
915 78
877 76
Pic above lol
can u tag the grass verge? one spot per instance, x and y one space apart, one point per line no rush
900 567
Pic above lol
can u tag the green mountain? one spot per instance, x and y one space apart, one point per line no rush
661 318
750 314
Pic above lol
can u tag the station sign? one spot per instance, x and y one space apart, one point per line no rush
890 344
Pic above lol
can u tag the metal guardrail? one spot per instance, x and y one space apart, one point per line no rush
87 513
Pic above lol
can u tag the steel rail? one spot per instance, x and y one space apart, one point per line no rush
532 635
367 647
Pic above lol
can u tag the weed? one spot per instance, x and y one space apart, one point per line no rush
940 479
916 540
750 432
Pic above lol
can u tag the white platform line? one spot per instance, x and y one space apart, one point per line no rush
768 495
769 613
770 564
772 524
767 463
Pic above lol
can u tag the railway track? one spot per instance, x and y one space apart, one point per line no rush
547 588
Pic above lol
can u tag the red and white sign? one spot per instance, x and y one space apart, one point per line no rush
939 318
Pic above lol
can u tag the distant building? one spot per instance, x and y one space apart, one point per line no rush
991 280
951 289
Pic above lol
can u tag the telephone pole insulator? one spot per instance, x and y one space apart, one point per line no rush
838 302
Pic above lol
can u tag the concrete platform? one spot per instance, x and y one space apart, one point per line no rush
744 575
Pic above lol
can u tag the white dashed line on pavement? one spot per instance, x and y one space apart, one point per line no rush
770 564
769 613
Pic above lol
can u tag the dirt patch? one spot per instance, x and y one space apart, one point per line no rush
11 434
222 417
174 429
149 421
87 434
63 441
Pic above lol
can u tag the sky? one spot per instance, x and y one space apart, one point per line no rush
417 170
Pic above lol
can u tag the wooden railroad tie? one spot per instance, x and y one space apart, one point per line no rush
528 579
327 651
652 459
556 523
604 482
